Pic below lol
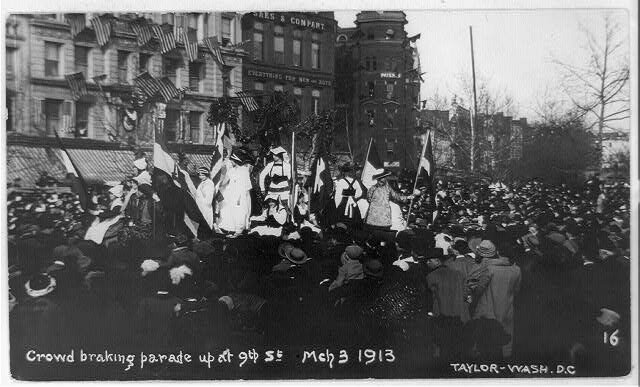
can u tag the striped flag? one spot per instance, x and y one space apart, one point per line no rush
102 27
248 101
77 23
216 168
190 47
214 47
78 184
147 83
168 90
142 31
77 84
167 39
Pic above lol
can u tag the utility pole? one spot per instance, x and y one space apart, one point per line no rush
475 105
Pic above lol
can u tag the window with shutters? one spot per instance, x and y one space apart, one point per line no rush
82 119
390 144
51 59
389 114
81 60
52 112
278 44
123 57
171 123
297 48
390 86
195 75
226 31
315 55
194 125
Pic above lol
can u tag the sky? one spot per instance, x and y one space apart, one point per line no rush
514 50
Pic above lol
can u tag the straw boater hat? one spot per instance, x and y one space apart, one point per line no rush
40 285
277 150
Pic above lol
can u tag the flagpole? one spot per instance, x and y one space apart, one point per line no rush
415 182
293 176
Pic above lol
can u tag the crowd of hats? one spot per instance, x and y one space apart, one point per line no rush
286 282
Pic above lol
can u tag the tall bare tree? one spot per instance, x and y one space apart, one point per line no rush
599 88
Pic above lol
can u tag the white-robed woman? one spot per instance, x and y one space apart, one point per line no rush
235 207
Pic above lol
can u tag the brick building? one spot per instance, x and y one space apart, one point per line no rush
40 51
378 79
292 52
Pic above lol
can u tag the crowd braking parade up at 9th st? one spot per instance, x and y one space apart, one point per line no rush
256 244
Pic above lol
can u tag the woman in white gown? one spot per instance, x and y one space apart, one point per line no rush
235 208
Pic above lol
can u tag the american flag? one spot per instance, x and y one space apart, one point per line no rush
168 90
77 84
147 83
102 27
213 46
248 101
77 23
190 47
167 40
216 158
142 31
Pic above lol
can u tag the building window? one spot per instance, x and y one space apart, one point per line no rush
82 119
315 99
171 124
372 88
10 115
374 63
389 117
278 87
258 86
258 46
226 31
81 60
52 115
297 48
123 56
390 144
278 44
371 117
315 55
51 59
297 94
194 126
143 63
11 62
196 73
390 86
169 69
167 18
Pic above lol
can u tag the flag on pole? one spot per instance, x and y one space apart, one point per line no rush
247 101
190 47
167 39
77 84
168 90
102 28
142 30
147 83
427 165
78 184
217 162
214 47
320 185
77 23
372 166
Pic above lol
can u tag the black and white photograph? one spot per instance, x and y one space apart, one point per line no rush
279 192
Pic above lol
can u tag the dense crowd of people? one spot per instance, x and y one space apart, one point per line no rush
481 271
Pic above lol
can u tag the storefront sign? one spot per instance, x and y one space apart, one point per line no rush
293 19
291 78
390 75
